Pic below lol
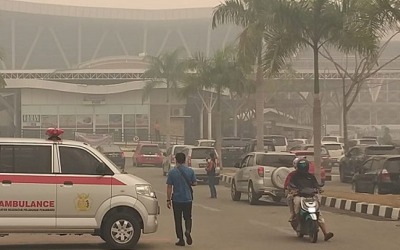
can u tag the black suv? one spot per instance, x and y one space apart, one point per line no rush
353 160
231 150
251 146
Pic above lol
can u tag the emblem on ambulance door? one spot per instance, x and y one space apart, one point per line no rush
83 202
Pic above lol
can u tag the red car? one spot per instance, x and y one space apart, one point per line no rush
309 155
147 154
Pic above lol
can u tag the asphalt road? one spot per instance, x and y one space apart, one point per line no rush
224 224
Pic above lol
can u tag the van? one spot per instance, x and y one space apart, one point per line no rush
56 186
280 142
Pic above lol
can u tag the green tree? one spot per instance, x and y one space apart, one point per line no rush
166 70
345 25
249 14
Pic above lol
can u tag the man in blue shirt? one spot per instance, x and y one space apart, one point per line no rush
180 195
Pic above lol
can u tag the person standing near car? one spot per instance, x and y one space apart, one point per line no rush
180 196
212 165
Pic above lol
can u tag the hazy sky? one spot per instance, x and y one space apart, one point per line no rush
134 4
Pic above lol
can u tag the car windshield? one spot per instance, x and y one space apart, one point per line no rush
381 151
178 149
324 151
393 165
201 153
150 150
329 138
233 142
110 148
277 140
368 142
275 160
333 146
207 143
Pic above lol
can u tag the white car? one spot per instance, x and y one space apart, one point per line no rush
169 158
262 174
62 187
335 150
197 159
205 143
329 138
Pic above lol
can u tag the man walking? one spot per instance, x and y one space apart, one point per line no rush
180 195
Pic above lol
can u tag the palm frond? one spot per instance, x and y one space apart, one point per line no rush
231 12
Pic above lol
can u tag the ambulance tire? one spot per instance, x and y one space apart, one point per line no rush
121 240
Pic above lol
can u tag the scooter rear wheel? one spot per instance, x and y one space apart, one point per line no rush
313 231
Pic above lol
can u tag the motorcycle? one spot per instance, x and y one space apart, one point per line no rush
306 221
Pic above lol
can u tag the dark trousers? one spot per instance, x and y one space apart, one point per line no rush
185 209
211 184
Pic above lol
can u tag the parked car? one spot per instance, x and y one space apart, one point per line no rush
252 147
309 155
169 158
231 150
205 143
114 153
335 150
378 175
363 141
353 160
280 142
147 155
197 158
329 138
262 174
310 147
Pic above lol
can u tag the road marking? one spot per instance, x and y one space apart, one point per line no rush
285 230
195 204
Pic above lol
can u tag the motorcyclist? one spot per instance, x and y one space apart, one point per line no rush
289 191
303 179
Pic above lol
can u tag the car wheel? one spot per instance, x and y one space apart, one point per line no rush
235 195
252 195
121 231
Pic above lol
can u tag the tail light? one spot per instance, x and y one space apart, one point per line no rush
260 171
189 161
385 176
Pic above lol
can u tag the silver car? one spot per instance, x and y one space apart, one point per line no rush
262 174
169 158
197 158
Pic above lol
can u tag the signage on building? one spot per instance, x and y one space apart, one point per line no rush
32 121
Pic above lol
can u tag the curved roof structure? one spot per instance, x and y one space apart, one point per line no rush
116 9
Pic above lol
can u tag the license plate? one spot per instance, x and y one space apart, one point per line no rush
312 210
202 165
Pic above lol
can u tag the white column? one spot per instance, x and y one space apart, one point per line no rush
209 117
202 121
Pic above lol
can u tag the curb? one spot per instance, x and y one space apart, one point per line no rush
349 205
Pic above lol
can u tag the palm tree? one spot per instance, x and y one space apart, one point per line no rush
250 14
296 25
165 70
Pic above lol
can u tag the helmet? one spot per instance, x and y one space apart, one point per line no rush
295 162
303 165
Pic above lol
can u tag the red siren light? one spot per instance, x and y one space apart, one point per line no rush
54 133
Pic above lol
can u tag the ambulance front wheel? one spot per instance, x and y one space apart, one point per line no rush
121 231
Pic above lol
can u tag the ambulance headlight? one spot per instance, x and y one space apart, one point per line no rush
145 190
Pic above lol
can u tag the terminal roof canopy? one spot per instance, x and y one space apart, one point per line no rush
132 4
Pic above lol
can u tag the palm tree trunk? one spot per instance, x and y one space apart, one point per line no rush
317 126
218 129
168 122
209 123
202 121
260 105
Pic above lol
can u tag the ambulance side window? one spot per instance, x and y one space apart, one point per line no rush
77 161
30 159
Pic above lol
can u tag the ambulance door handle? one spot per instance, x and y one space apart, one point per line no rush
68 183
6 182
